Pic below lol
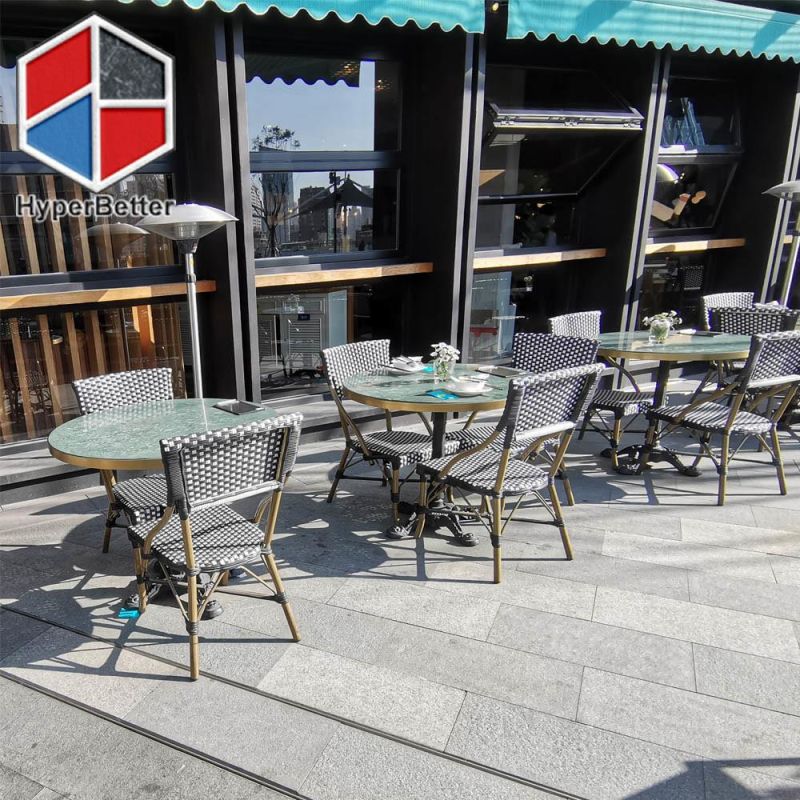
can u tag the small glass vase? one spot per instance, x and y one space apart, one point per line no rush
659 331
442 370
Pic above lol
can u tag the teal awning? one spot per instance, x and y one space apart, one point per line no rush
697 24
447 14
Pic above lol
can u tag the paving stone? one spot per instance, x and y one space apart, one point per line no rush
786 570
614 519
518 588
691 622
576 758
105 677
628 652
419 605
723 560
636 576
336 630
264 736
731 782
738 594
383 698
708 726
505 674
761 682
359 766
776 515
15 786
17 630
523 542
741 537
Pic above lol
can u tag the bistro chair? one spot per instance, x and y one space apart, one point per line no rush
540 407
772 368
723 300
389 450
139 499
537 353
620 403
200 533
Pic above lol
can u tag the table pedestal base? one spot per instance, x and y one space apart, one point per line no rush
633 460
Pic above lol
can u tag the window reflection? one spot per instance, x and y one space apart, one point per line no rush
701 115
298 213
324 103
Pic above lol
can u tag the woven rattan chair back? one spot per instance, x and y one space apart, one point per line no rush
551 400
344 360
774 359
749 321
582 323
724 300
229 464
123 388
546 352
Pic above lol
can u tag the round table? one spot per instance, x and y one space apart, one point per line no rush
381 389
127 437
636 346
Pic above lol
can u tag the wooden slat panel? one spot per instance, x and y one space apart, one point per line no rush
692 245
76 343
29 235
22 377
536 259
340 275
116 344
97 355
52 367
80 296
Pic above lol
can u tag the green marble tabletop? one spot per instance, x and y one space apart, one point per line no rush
128 437
678 347
409 392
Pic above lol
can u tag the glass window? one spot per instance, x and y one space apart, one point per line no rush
674 283
294 326
309 103
529 223
308 213
79 243
42 353
701 115
689 196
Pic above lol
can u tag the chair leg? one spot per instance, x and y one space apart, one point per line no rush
112 515
140 570
776 454
421 506
562 527
616 436
723 468
584 425
192 628
269 560
339 473
497 527
395 490
563 476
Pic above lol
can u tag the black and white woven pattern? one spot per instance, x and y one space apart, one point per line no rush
621 402
123 388
221 465
478 473
344 360
221 539
142 499
546 352
773 356
585 324
712 417
749 321
400 448
724 300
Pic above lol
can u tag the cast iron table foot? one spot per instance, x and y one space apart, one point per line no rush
634 460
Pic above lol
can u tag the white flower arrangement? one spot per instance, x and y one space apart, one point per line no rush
446 353
666 316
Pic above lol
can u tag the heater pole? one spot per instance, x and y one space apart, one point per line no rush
191 300
791 262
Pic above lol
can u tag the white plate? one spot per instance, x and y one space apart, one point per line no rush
399 371
465 390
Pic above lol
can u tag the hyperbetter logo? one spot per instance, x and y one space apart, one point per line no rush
99 205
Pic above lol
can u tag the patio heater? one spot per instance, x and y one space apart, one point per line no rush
789 191
186 224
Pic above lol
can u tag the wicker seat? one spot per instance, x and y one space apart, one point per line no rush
199 532
620 403
389 449
535 353
140 499
772 369
545 406
709 302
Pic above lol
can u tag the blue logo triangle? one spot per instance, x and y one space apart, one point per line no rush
67 136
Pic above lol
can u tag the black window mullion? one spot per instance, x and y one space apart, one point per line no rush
323 161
